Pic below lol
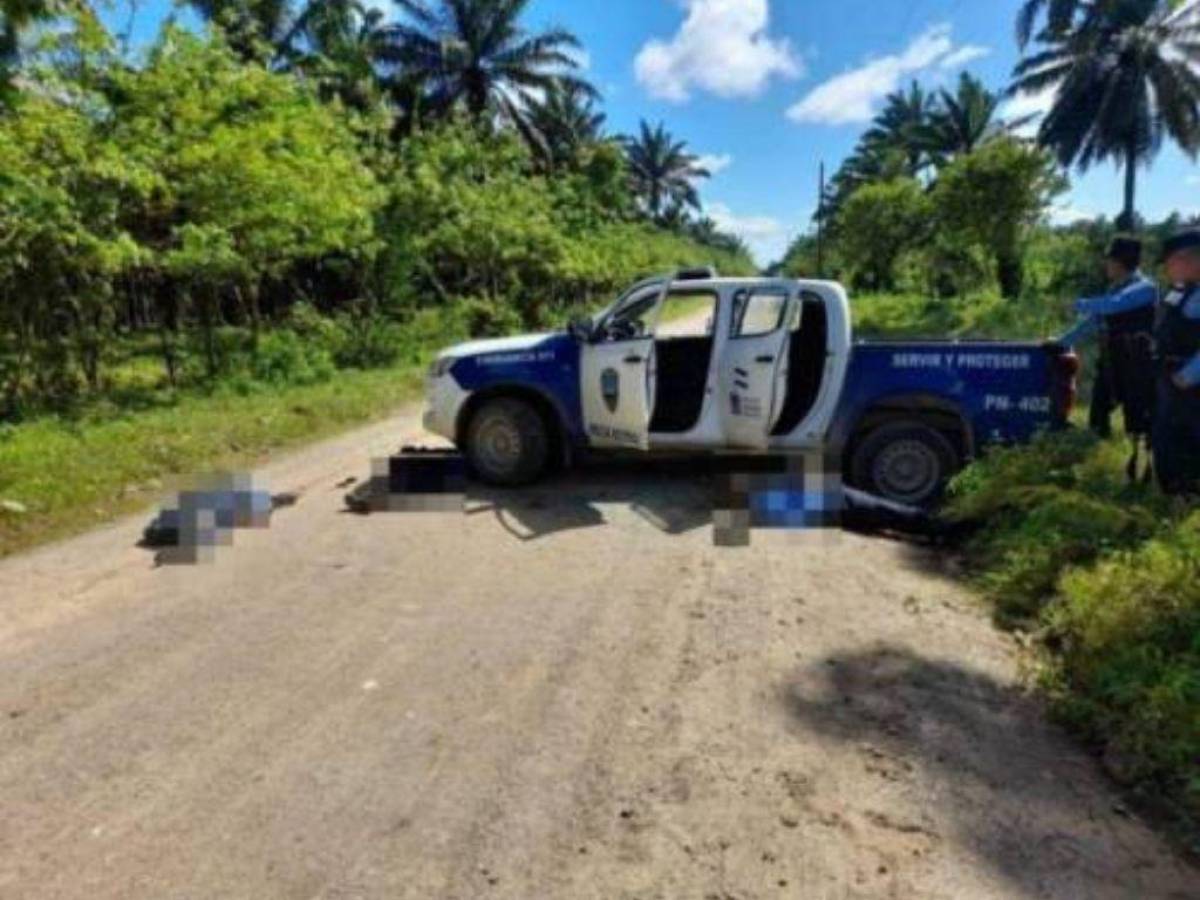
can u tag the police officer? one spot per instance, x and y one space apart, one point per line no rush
1123 320
1176 435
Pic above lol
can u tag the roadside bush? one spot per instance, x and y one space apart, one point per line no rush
878 223
998 482
367 341
1025 553
428 330
1128 668
1108 575
484 316
284 357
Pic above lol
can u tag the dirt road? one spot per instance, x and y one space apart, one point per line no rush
567 693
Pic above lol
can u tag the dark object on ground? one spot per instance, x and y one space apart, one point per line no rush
230 509
415 479
867 513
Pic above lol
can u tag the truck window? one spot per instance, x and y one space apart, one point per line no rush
633 320
687 314
758 311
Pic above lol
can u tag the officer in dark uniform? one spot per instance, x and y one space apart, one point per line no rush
1123 320
1176 435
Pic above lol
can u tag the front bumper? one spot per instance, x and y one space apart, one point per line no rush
444 402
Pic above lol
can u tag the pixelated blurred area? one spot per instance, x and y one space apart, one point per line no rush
415 480
797 492
800 493
204 514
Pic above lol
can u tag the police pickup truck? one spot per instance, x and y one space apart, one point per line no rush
694 363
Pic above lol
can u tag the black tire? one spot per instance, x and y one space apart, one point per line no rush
904 462
507 443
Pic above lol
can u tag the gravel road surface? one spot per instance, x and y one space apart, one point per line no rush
565 693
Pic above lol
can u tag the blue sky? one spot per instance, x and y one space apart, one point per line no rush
767 89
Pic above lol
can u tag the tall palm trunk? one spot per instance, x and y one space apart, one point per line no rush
1128 219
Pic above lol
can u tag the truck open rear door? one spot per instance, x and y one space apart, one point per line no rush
754 367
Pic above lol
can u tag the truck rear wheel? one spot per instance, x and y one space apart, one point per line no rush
904 462
507 442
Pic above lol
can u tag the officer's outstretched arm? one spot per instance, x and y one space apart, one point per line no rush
1084 330
1189 376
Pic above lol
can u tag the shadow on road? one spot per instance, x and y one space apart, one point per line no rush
675 496
1014 791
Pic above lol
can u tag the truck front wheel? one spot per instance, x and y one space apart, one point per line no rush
507 442
904 462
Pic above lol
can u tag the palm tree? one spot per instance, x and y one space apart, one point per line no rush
254 28
961 121
475 53
1060 16
1125 80
561 123
339 44
662 173
901 124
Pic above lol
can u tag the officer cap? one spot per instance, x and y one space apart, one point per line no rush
1184 240
1127 251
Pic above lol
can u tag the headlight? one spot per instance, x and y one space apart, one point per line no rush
441 366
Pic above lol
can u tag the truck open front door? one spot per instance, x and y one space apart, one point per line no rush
754 367
617 378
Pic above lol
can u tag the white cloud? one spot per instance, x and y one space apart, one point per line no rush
715 163
722 47
964 55
766 237
1068 214
851 97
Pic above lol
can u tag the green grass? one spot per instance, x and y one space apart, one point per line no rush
1104 573
72 473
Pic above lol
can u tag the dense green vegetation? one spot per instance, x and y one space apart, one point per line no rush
289 211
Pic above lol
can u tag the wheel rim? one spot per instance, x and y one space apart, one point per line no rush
498 444
908 471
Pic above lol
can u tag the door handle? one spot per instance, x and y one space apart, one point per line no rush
634 360
765 359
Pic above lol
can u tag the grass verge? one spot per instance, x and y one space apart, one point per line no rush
1106 576
70 474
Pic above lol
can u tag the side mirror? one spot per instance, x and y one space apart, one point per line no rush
580 329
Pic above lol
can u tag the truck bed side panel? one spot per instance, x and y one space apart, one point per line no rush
1003 390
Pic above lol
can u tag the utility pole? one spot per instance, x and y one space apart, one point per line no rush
821 224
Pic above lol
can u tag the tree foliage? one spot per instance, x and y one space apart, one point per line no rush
1124 78
203 194
992 198
877 224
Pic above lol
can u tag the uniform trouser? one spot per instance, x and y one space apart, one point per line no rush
1104 400
1176 438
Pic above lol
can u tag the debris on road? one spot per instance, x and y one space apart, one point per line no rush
417 479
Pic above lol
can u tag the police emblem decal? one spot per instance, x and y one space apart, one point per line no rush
610 388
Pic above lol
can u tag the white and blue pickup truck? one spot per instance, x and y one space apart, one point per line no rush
695 363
